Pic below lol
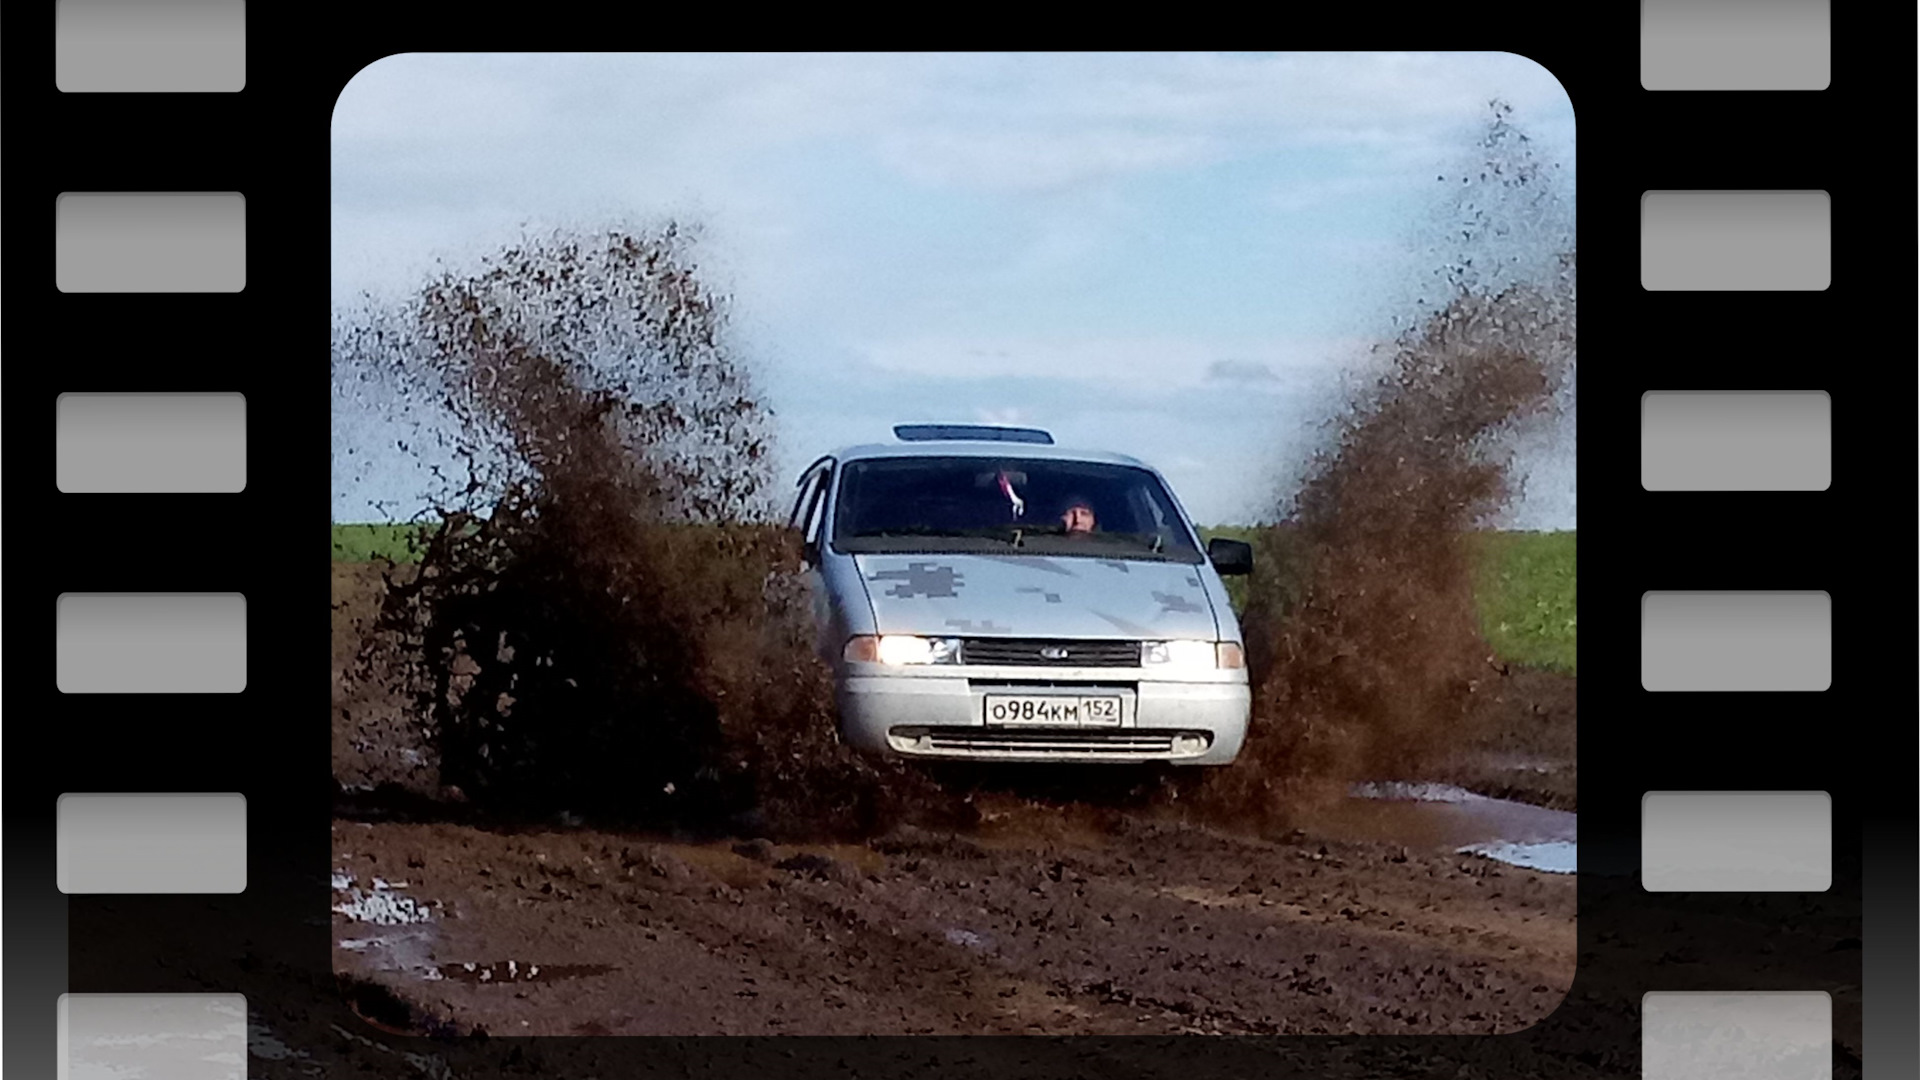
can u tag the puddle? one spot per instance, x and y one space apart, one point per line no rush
381 908
381 905
408 951
966 938
512 971
1441 817
407 947
1552 857
408 934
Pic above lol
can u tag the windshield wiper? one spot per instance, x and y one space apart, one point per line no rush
1154 544
1009 533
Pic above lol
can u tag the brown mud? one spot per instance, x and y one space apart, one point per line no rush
1102 907
1146 927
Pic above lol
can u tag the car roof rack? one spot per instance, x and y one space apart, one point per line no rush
970 433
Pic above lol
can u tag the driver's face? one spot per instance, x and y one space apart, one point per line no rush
1077 519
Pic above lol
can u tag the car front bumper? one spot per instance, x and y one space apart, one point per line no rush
940 716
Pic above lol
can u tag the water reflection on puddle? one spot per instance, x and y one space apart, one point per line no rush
1447 818
404 938
1552 856
393 932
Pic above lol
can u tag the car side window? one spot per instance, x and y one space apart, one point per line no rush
802 502
817 509
806 489
809 510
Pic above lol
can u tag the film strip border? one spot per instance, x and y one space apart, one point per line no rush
1752 806
161 184
155 426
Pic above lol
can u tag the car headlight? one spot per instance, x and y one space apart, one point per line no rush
902 649
1195 654
1183 654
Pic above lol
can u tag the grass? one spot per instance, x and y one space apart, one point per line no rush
1527 591
366 542
1528 598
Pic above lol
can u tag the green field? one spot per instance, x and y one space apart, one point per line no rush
1527 596
362 543
1527 585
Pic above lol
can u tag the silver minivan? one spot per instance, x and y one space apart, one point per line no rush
983 594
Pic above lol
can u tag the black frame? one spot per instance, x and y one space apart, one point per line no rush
270 943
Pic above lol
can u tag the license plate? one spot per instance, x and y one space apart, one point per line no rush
1053 710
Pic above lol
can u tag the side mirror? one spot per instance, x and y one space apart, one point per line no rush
1230 556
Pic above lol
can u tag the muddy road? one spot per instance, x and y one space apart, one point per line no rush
1390 910
1036 923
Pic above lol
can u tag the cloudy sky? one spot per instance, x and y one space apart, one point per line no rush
1177 256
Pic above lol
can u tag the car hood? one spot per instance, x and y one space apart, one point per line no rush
1036 596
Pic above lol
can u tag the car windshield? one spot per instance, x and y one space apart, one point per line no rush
1051 507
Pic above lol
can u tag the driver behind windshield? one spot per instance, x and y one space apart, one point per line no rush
923 505
1076 516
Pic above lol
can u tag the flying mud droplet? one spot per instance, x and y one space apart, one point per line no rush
1361 624
921 579
1170 603
984 626
606 617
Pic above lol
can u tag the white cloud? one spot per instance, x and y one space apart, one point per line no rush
1038 159
1241 371
939 218
996 120
1150 362
1310 194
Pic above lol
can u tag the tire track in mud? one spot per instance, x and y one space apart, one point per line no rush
1157 929
1222 960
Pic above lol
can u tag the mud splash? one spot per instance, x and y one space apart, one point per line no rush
606 622
1362 629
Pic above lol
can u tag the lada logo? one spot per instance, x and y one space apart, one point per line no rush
1053 652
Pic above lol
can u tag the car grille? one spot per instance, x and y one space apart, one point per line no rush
1034 652
1032 684
1082 744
